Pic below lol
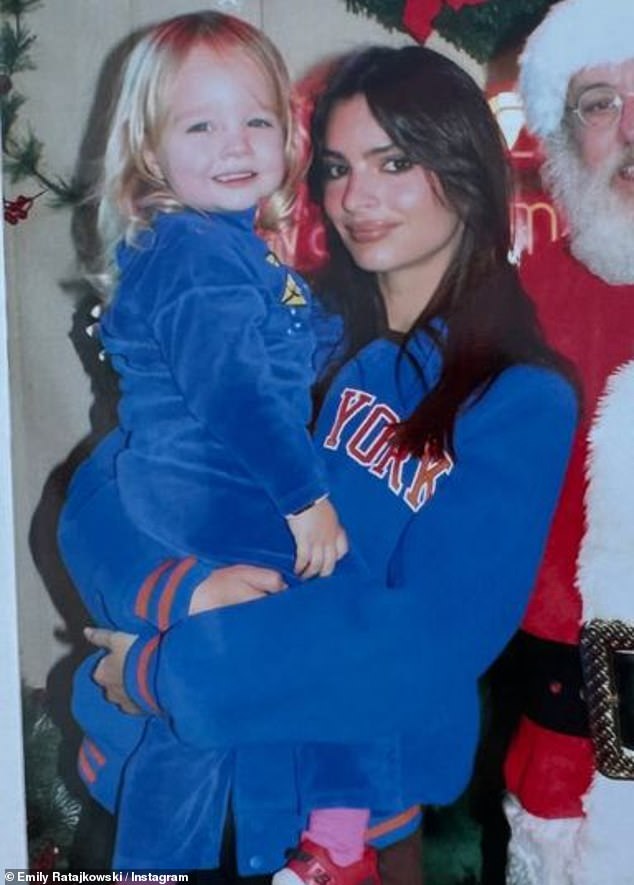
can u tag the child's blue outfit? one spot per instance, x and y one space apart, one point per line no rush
212 341
344 691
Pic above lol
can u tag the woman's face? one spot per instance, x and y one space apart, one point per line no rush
388 211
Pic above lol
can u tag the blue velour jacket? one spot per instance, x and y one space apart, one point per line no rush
212 340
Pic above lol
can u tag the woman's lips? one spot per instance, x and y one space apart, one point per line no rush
369 232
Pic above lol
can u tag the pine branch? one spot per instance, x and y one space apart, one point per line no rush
388 12
15 42
23 157
482 31
65 192
52 812
23 154
9 106
18 8
486 30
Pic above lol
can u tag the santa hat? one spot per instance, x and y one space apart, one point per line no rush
575 34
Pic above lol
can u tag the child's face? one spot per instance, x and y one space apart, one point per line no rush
222 148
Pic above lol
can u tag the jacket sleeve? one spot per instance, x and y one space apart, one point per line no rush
212 339
127 580
341 658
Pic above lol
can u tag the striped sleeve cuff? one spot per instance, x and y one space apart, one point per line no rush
139 672
384 831
165 595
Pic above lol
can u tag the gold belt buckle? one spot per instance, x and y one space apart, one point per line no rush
601 641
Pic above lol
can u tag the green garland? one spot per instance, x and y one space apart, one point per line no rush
388 12
52 812
482 31
22 151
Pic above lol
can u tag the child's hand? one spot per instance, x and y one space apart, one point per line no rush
319 538
234 584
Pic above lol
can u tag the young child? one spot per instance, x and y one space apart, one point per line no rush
211 337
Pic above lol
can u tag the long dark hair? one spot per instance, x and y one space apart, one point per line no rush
436 114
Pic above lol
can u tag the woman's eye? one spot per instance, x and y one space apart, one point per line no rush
397 164
203 126
333 171
260 123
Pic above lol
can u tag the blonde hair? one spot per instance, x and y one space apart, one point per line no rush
130 193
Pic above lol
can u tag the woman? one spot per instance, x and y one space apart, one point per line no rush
445 428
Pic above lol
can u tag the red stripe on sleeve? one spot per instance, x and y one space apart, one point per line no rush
393 823
94 751
169 592
142 672
85 766
142 604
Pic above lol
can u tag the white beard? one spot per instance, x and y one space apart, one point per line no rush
601 221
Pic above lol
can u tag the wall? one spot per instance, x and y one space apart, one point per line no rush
12 810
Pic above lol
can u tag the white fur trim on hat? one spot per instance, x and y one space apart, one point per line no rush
575 34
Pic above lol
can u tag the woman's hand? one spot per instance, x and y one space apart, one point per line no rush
109 671
234 584
225 586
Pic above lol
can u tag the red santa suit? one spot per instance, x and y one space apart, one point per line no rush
550 766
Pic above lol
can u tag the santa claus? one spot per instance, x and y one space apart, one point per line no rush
570 767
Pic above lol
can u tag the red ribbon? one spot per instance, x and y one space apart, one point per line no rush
419 15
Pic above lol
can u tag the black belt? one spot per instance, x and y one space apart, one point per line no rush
551 688
584 691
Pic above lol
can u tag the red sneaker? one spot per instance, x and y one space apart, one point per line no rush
311 864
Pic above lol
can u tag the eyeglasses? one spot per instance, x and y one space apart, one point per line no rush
600 107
